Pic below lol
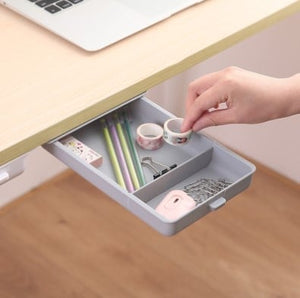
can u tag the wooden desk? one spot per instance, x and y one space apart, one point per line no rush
49 86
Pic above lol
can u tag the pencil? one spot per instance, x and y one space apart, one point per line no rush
126 152
120 155
133 150
112 154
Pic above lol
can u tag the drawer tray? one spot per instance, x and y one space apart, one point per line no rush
200 158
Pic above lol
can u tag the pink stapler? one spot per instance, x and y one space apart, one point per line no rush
175 204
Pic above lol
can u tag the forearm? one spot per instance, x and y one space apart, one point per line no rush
293 96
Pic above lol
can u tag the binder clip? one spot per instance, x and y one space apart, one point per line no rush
157 168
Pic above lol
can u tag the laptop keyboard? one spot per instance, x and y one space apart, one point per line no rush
54 6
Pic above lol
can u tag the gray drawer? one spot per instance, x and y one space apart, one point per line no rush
200 158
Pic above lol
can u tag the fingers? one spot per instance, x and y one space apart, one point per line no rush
210 98
197 87
215 118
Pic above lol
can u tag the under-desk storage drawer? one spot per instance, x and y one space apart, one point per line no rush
201 170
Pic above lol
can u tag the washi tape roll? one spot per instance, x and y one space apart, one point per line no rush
149 136
173 134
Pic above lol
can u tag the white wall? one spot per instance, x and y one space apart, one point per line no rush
276 144
274 52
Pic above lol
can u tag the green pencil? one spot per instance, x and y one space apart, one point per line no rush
133 149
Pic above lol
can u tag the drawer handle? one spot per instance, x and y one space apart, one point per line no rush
217 204
4 176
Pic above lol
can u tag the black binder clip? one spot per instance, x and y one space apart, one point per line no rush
156 167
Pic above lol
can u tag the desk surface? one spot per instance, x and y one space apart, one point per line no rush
49 86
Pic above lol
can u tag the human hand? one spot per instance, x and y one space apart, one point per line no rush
248 98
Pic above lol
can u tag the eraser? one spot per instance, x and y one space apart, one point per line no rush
175 204
83 151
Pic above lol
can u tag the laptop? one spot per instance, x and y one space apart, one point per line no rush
95 24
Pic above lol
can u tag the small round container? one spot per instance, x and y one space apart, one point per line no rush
172 133
149 136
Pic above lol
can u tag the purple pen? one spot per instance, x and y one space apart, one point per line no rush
120 155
